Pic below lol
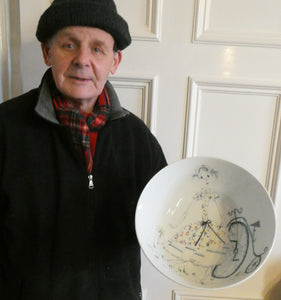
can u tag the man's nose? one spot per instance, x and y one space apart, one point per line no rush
82 57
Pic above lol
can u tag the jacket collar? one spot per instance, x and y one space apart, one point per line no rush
45 108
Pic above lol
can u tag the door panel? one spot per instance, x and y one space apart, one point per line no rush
252 22
236 122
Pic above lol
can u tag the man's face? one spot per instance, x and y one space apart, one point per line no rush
81 59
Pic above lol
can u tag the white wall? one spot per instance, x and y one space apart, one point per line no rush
31 57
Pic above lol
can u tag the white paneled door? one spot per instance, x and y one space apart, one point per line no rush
216 69
205 76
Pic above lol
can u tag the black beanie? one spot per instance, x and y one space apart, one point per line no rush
101 14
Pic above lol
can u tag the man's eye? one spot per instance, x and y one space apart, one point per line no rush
97 50
68 46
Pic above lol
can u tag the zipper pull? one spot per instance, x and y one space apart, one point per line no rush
91 182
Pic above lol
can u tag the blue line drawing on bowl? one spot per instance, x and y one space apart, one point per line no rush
241 250
206 174
209 250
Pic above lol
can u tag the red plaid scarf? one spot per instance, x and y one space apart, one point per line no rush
84 126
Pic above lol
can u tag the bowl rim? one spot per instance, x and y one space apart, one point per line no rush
182 283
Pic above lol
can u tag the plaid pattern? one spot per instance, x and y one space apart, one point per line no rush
84 126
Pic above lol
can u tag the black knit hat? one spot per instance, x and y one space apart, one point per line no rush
101 14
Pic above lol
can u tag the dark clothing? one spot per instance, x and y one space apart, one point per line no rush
59 240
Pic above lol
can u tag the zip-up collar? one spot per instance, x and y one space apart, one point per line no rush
45 108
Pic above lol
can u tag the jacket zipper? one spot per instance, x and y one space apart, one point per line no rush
91 182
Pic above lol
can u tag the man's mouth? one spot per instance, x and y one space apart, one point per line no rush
82 79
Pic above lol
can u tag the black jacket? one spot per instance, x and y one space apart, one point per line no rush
60 240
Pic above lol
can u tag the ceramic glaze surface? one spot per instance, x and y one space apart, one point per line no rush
205 223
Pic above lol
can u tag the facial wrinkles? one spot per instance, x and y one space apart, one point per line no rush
82 59
86 65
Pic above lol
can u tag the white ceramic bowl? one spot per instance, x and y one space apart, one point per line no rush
205 223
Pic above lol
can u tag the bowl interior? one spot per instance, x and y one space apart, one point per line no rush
205 223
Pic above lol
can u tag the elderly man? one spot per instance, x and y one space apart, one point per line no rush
73 163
